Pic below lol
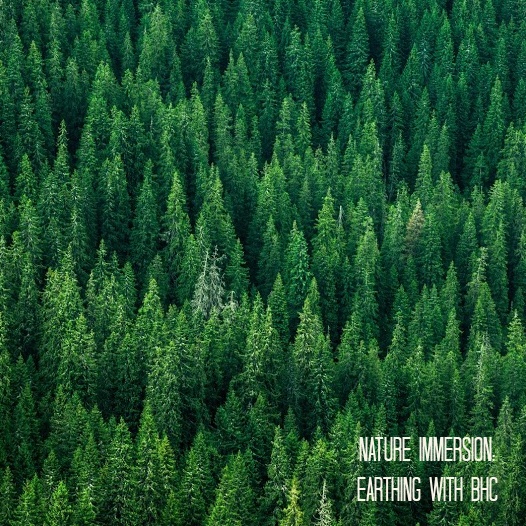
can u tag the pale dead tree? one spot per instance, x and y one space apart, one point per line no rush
210 288
231 304
325 516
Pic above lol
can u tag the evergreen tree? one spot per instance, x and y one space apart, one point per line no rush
151 495
365 305
277 485
325 514
292 514
270 258
263 365
119 504
29 509
357 53
209 289
325 262
234 503
115 211
195 491
237 235
145 232
312 370
176 384
59 511
296 272
62 305
7 509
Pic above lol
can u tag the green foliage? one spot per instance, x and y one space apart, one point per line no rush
118 478
236 235
115 209
312 370
59 511
145 232
196 488
292 514
296 271
234 502
357 54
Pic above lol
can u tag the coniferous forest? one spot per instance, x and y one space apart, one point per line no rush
236 235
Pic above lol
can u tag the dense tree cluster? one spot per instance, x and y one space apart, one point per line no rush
235 235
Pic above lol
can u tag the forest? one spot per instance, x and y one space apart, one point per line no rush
237 235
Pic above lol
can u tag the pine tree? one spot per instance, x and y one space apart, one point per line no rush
154 57
150 495
325 514
234 503
292 514
214 219
424 181
296 272
196 488
25 318
263 364
494 127
81 233
270 258
77 367
466 251
484 390
279 474
202 38
514 363
62 305
118 504
365 304
357 54
480 307
115 211
209 289
31 139
312 370
144 235
84 512
86 467
176 229
365 180
429 257
54 202
59 511
277 303
67 424
7 508
325 262
29 508
176 385
320 468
